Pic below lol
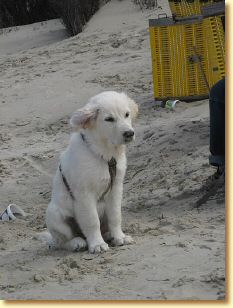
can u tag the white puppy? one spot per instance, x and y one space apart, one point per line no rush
87 190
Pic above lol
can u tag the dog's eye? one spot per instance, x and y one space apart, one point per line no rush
109 119
127 114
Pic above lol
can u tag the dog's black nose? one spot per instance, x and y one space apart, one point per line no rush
128 134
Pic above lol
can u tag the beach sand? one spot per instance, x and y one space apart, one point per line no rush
179 252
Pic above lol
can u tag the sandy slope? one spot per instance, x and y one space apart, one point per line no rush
180 250
26 37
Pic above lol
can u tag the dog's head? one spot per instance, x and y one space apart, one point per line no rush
109 115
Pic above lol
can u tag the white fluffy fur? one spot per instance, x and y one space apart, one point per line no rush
85 167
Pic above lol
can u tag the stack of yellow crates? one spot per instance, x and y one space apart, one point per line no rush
182 8
188 55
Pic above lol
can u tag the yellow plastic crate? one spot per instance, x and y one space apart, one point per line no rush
215 42
181 8
187 56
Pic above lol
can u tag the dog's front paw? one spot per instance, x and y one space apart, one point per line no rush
98 247
124 240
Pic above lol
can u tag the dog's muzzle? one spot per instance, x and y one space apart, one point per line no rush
128 135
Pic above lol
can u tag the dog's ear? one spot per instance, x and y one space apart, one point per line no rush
133 108
84 117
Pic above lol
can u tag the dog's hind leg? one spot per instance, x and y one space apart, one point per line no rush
66 240
62 234
76 244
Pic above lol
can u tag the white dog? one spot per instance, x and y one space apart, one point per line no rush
87 190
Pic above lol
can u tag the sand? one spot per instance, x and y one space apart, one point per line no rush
179 252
